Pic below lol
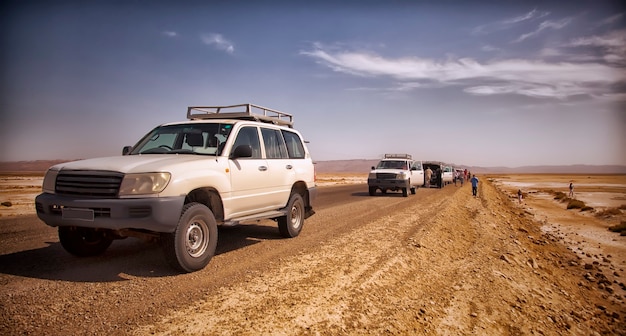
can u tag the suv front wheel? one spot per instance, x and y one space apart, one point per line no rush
192 245
291 224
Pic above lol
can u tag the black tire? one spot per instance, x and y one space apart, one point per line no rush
405 192
84 242
192 245
290 225
372 191
413 190
383 191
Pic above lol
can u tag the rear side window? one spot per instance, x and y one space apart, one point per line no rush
274 144
294 145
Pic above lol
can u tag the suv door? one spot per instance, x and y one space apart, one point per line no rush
282 173
250 177
417 174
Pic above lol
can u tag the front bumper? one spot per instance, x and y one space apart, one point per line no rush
152 214
388 184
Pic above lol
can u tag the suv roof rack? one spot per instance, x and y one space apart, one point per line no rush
240 111
398 156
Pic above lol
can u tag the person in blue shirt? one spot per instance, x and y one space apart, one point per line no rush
474 181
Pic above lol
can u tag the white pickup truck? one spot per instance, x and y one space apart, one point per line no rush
396 172
223 166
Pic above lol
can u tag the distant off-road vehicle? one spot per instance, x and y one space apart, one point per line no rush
396 172
442 174
225 165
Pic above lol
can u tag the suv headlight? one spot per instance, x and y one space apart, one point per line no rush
49 181
144 183
403 176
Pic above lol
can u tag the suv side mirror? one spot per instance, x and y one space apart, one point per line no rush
242 151
126 150
373 168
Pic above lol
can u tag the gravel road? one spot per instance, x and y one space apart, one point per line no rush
438 262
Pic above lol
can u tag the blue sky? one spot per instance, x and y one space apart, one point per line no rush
483 83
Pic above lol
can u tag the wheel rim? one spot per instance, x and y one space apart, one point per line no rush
197 238
296 215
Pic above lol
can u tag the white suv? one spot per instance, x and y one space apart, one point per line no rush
225 165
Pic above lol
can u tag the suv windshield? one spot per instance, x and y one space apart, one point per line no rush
389 164
204 139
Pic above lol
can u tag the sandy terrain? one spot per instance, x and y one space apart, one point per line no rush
439 262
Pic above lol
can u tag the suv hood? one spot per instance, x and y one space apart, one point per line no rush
134 163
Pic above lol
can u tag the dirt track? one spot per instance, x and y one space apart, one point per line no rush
438 262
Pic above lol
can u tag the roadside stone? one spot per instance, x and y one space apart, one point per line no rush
7 204
505 258
590 277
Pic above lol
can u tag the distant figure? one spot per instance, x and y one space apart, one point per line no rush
519 195
571 190
456 177
474 181
429 174
465 174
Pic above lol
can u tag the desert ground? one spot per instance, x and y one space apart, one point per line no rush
439 262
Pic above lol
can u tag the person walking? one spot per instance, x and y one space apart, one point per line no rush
519 195
429 174
571 190
474 181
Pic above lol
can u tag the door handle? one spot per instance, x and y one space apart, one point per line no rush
288 166
262 168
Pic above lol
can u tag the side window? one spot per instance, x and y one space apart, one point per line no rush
294 145
249 136
417 165
274 144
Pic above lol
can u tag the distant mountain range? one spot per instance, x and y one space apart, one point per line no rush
364 166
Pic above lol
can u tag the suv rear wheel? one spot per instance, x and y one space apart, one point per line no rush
291 224
193 244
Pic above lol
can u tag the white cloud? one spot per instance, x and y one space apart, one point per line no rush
543 26
509 22
612 19
515 76
170 33
613 44
218 42
533 14
489 48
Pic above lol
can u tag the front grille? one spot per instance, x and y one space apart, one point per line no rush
386 176
102 184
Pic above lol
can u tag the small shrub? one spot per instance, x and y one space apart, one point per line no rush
575 204
609 212
586 208
621 227
559 195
